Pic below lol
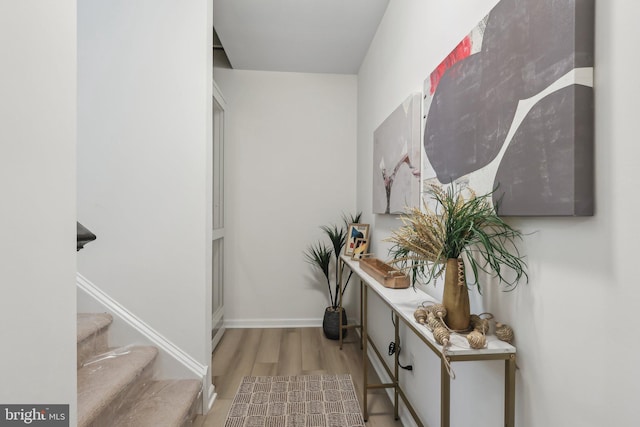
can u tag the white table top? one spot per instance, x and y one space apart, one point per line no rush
406 301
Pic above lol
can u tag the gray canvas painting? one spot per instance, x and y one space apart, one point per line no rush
396 159
511 109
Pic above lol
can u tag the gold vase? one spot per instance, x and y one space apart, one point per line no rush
456 296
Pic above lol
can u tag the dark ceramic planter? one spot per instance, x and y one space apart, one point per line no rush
331 323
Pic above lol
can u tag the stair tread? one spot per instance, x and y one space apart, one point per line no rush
104 377
90 323
165 403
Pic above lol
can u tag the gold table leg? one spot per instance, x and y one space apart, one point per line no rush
365 360
510 391
362 342
445 395
396 371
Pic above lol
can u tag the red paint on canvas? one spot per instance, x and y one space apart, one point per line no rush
462 51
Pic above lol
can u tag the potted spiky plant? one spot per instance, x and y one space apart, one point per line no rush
325 257
432 241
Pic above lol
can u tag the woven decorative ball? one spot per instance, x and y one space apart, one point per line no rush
476 339
420 316
439 311
480 325
504 332
474 318
441 335
433 308
433 322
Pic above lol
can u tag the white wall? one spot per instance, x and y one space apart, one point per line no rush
290 167
144 127
574 320
37 183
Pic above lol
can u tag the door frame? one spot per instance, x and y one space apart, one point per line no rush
217 316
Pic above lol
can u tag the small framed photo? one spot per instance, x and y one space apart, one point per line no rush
355 232
360 249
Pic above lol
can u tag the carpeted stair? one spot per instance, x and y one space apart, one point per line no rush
116 386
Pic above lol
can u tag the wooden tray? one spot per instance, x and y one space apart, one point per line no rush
388 276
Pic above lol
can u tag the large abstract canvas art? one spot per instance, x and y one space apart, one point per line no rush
510 109
396 159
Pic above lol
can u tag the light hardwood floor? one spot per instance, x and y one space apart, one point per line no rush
295 351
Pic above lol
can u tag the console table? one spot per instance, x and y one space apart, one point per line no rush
403 303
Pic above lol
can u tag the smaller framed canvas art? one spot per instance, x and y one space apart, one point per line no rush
360 249
355 232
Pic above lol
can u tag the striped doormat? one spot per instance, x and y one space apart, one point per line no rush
296 401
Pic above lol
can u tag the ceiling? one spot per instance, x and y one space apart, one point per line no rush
309 36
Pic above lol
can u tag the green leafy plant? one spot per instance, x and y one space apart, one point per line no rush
326 257
458 226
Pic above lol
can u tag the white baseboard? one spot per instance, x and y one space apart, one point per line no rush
272 323
210 398
216 338
165 347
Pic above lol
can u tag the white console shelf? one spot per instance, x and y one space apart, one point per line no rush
403 303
